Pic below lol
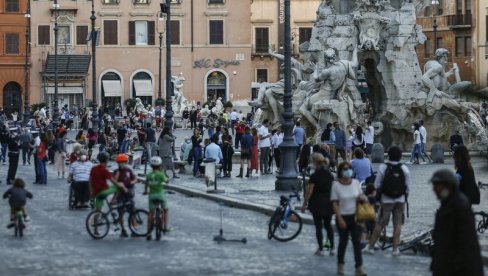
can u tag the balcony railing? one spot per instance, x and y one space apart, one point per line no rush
262 50
460 20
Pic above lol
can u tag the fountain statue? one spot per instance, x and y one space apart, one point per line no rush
379 39
179 101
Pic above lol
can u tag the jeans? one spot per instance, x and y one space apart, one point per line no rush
197 159
237 141
264 159
323 222
41 171
4 153
13 163
417 153
36 169
151 148
352 230
26 154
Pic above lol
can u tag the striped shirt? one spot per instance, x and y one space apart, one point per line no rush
80 170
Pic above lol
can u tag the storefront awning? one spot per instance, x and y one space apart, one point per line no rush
143 88
66 90
112 88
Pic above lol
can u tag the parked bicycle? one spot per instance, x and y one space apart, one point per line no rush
98 222
483 223
419 242
285 224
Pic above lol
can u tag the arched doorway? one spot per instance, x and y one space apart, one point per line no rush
111 90
142 87
216 86
12 98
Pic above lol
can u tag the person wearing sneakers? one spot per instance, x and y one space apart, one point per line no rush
155 183
124 175
345 194
318 199
393 180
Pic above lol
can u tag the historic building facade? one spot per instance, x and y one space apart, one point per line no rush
456 25
267 20
13 27
210 41
480 39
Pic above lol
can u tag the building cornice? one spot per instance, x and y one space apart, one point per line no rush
110 13
262 21
216 13
141 13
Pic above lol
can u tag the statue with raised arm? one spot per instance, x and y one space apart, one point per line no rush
333 81
435 78
179 99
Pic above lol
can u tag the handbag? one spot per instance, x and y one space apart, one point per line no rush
365 212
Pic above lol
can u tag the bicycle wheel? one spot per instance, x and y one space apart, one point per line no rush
20 226
70 198
138 222
157 224
286 231
97 225
481 227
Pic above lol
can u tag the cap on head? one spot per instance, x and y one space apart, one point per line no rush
122 158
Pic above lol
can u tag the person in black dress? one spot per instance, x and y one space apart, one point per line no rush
465 173
317 199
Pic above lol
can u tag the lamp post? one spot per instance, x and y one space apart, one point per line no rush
166 8
94 37
26 66
288 176
160 31
434 4
55 108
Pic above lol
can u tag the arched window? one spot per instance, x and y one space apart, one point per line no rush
111 92
142 87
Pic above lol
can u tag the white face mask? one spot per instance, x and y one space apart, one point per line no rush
413 127
83 158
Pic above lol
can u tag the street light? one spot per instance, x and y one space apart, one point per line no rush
55 114
160 31
288 176
435 4
168 115
26 66
94 36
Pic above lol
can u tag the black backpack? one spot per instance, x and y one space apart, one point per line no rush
394 185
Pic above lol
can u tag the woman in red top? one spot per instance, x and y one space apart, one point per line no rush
41 159
255 151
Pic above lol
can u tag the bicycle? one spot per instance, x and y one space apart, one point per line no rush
279 226
158 219
97 220
19 224
483 223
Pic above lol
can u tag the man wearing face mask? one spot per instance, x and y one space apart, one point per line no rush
456 248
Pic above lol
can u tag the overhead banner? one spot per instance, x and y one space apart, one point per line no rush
281 32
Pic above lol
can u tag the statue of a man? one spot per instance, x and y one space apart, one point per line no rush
333 79
435 77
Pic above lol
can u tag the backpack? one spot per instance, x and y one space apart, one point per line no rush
394 185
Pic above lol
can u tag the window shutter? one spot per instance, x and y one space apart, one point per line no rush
43 35
175 32
150 33
132 33
110 32
81 35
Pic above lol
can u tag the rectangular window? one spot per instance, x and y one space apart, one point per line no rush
459 46
467 46
216 32
304 35
141 32
43 35
12 6
141 2
427 49
459 6
64 35
261 40
81 35
439 43
467 7
12 43
175 32
262 75
216 1
110 32
110 2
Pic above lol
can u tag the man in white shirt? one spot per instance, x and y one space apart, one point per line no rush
37 142
276 140
264 146
388 173
369 138
423 140
233 117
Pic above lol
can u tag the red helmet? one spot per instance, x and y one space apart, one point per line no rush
122 158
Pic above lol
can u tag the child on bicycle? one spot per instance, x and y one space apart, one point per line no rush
125 176
17 198
155 182
99 188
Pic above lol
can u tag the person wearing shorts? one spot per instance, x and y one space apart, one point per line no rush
155 183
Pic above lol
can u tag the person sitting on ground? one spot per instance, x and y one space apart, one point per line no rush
124 175
17 198
361 166
394 182
155 181
456 140
185 150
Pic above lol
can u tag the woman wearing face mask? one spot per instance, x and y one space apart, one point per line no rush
346 193
318 199
79 174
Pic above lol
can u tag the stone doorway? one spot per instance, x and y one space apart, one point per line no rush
12 98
